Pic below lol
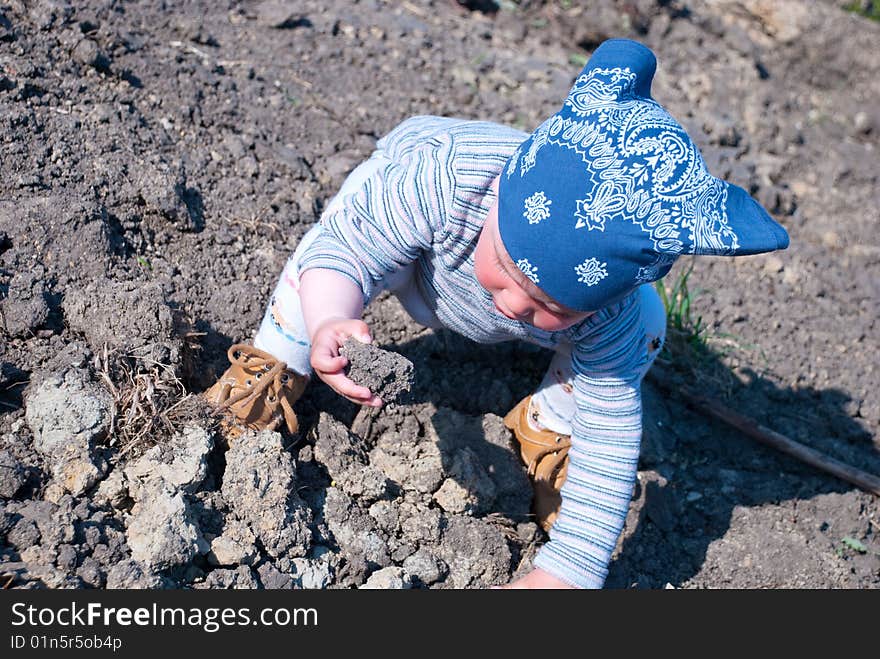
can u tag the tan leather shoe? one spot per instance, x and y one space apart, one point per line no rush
545 454
257 390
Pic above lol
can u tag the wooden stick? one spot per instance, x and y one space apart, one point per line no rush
862 479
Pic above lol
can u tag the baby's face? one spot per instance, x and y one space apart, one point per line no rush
515 296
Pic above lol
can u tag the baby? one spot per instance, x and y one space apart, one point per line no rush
552 238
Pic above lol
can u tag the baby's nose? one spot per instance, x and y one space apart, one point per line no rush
518 304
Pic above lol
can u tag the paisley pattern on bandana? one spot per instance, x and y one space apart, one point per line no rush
528 270
591 272
630 191
643 166
537 208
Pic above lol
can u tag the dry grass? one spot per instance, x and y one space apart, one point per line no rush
150 400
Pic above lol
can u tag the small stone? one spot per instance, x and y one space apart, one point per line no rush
12 475
310 573
863 123
773 264
831 239
389 578
280 15
87 52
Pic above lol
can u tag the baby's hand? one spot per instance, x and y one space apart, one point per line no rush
329 365
536 579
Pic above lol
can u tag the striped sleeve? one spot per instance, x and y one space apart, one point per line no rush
388 222
606 434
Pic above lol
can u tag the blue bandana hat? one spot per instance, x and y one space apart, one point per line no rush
609 191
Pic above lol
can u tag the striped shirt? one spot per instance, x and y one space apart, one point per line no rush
423 210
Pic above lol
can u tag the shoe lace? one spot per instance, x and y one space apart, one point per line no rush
238 355
563 443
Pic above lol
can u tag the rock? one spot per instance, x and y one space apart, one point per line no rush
92 573
237 545
260 485
865 124
354 530
113 490
280 14
12 475
54 524
67 414
161 532
311 573
23 534
490 441
342 454
420 524
25 309
476 553
424 566
388 578
241 578
387 516
272 578
387 374
131 317
87 52
773 264
181 462
162 186
414 466
128 574
468 488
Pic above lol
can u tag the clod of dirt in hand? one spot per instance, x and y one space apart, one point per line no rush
67 414
342 453
260 484
387 374
24 308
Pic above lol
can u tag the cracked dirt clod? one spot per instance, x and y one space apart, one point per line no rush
12 475
24 309
68 413
131 317
162 533
342 453
181 462
388 578
260 484
387 374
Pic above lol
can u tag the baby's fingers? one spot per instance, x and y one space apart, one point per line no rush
353 392
326 362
